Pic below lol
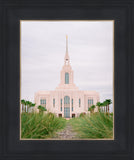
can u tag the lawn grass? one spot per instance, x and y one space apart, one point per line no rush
96 126
40 126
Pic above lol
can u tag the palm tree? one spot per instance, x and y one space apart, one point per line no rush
91 108
28 103
33 105
41 109
99 105
23 104
105 105
109 101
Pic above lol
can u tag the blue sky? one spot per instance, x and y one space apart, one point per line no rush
43 45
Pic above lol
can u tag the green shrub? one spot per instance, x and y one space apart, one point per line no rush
82 114
98 125
40 126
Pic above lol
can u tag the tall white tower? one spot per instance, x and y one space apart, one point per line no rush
66 75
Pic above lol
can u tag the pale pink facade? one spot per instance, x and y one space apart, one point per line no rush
66 100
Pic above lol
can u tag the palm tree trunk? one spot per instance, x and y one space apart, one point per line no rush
28 108
108 109
22 107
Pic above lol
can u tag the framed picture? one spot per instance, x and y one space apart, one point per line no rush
66 80
67 112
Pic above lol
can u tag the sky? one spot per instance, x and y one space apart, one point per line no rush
43 47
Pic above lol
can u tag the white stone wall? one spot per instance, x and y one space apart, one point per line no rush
60 94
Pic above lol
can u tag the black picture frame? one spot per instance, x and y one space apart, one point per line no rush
11 12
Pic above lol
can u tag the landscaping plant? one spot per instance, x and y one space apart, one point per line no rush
40 126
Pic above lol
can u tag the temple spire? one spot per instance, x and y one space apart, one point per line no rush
66 55
66 43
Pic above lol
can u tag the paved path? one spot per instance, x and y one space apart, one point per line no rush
66 134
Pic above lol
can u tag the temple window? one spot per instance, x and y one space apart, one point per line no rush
90 102
61 102
66 100
79 102
72 105
43 101
53 102
66 78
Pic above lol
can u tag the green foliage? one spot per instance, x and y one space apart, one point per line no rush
109 101
26 103
40 126
93 106
91 109
82 114
33 105
41 108
96 126
98 104
22 101
104 107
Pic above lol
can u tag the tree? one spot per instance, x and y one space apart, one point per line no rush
41 109
91 109
105 105
23 104
28 103
32 105
99 105
109 101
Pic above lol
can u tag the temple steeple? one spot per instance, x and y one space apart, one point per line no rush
67 59
66 74
66 43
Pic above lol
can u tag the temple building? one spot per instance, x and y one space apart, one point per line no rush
66 100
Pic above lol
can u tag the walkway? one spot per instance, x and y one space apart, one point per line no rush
66 134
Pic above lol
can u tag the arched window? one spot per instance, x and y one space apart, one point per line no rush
66 78
43 101
72 105
79 102
66 100
67 107
61 105
53 102
90 102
